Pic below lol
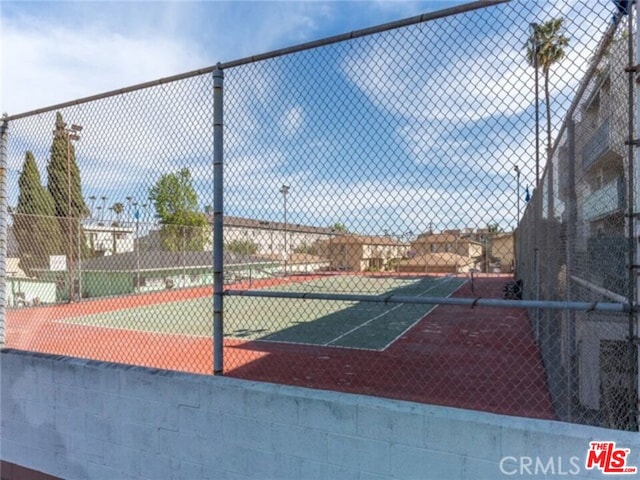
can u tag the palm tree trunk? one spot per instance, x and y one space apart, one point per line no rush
549 166
547 102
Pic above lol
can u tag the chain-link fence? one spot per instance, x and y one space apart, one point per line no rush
391 226
575 243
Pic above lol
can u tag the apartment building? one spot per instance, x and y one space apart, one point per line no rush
359 253
592 181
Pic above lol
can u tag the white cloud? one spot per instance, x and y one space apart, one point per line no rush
44 64
368 206
128 140
425 96
482 78
292 120
476 89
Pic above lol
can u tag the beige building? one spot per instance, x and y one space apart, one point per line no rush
271 237
13 268
300 262
360 253
447 242
502 251
437 263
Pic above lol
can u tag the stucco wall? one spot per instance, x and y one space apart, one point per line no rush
83 419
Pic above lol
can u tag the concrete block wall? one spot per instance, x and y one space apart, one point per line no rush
79 419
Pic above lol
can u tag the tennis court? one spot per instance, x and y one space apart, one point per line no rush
294 341
360 325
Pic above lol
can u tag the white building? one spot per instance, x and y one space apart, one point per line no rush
109 239
269 238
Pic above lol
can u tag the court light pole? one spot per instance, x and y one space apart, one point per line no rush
93 203
516 230
129 198
135 244
70 133
284 190
331 234
516 169
103 208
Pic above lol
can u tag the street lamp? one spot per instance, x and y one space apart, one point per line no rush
535 47
104 207
516 168
486 253
136 247
284 190
266 226
70 133
516 231
129 199
93 203
332 232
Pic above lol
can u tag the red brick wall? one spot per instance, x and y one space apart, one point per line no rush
10 471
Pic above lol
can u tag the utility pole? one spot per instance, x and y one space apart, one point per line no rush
70 133
284 190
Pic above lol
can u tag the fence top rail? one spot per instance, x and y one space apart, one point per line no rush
605 307
426 17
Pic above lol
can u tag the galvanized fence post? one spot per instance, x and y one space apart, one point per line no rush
537 216
4 130
634 209
218 204
572 207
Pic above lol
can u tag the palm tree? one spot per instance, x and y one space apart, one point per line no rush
118 208
547 43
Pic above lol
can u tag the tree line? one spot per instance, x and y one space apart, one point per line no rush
48 216
47 219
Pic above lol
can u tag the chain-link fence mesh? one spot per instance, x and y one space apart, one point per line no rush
369 185
574 244
108 234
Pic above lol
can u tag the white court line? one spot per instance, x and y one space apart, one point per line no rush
433 307
70 322
382 314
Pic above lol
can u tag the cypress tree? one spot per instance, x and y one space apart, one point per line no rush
65 188
35 226
63 150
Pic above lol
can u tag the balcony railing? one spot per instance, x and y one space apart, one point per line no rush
604 139
605 201
598 144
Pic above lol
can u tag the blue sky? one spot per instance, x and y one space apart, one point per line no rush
389 133
53 51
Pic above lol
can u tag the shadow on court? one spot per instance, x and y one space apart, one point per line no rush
475 358
360 325
481 358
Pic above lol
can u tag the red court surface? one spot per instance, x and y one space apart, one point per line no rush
481 358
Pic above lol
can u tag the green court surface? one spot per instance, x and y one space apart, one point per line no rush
363 325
